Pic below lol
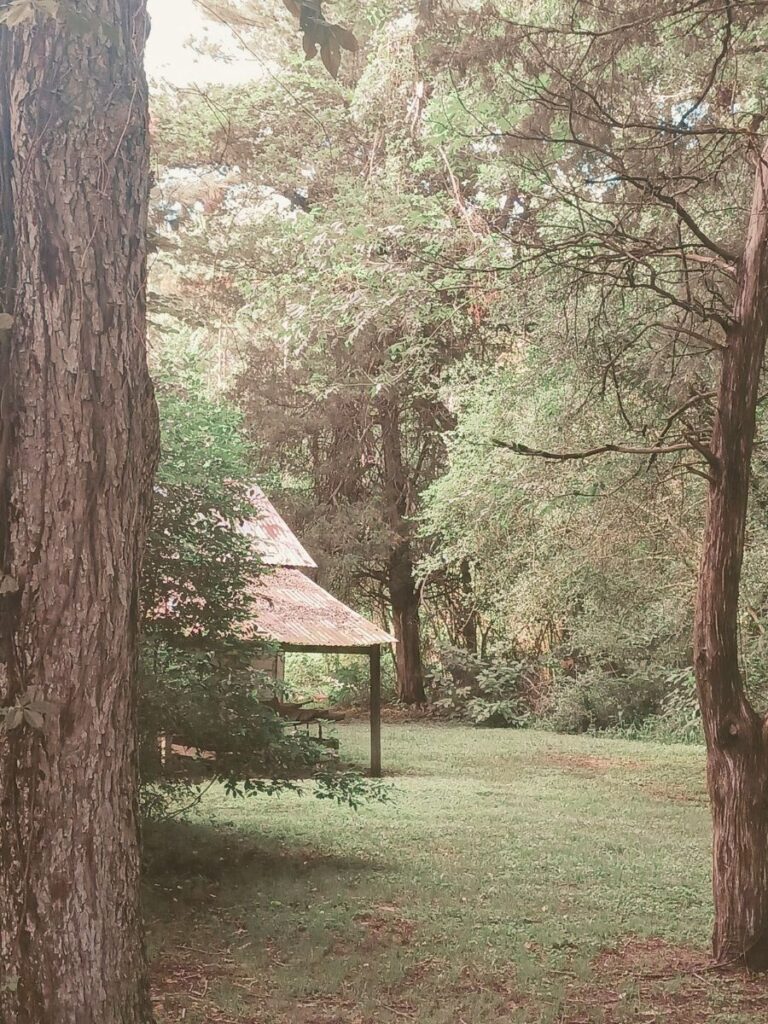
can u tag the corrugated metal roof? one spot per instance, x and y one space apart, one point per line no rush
274 540
291 609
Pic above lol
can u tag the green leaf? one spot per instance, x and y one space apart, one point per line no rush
159 243
330 54
34 719
14 718
42 707
19 11
345 38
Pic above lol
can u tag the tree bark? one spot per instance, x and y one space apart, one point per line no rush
77 452
737 754
406 624
403 594
470 620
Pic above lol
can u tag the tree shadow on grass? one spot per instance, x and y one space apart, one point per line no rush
183 850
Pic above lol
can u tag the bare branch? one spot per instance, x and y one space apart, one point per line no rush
604 449
694 400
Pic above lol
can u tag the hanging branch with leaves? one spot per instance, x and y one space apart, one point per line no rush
320 36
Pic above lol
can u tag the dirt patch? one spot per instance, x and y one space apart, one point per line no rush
323 1011
675 795
635 773
588 764
643 981
649 958
653 981
385 925
499 983
429 966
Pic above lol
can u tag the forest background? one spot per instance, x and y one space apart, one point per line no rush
359 301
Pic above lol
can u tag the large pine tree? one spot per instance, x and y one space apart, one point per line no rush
77 451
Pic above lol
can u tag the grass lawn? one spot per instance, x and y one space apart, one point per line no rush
515 876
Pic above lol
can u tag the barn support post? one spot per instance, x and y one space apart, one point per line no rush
375 710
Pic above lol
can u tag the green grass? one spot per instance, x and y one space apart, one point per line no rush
506 863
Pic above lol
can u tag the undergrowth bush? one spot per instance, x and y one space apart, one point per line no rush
207 706
680 718
642 703
489 693
595 701
341 680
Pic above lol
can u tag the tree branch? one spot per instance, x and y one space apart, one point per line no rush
604 449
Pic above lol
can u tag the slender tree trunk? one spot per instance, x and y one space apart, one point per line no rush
737 754
77 450
403 594
407 626
470 623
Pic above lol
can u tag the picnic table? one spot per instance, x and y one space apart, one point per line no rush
300 713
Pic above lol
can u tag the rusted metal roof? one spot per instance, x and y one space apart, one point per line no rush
288 607
294 611
275 541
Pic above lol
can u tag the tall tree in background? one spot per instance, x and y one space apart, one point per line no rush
325 270
346 382
636 153
77 453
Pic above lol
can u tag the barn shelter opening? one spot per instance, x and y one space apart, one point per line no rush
294 613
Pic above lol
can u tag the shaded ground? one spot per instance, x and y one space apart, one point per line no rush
517 876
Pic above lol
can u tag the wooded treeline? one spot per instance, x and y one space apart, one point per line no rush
464 243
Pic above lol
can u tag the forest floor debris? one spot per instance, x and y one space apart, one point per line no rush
654 981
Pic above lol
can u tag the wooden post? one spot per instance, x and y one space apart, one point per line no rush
375 710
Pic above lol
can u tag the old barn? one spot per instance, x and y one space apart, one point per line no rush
294 613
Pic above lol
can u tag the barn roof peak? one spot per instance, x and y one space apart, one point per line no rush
274 540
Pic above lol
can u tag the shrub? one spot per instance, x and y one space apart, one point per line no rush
207 703
341 680
488 693
596 700
680 718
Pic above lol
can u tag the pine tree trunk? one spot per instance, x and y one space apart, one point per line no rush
407 626
77 452
737 757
